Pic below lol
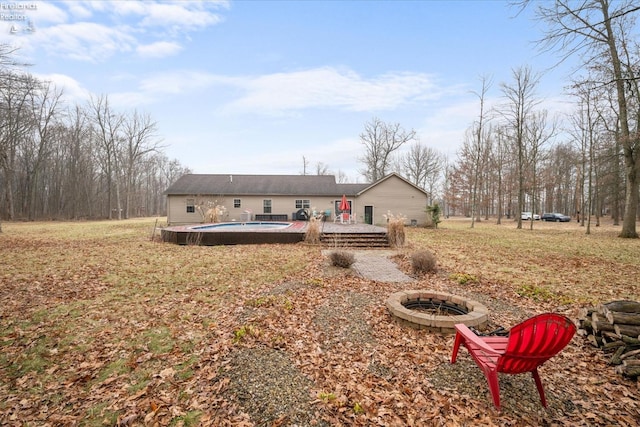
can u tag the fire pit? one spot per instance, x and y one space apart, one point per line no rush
436 311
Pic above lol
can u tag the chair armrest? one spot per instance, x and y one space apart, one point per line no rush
476 341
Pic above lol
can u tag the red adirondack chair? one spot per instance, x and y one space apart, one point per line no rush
529 345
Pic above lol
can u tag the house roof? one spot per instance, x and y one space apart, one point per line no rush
393 174
272 185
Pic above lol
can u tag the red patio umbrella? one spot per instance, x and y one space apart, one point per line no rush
344 205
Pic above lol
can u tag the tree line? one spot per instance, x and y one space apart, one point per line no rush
90 161
523 160
81 161
516 157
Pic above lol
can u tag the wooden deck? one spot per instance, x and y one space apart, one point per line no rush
331 227
352 235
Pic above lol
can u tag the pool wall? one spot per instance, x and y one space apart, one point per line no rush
191 236
243 226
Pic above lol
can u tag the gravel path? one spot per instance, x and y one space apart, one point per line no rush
376 265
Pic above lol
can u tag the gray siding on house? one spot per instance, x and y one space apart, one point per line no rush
254 204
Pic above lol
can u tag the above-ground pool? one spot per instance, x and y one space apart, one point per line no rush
236 233
243 226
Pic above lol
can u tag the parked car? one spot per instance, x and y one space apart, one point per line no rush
528 216
557 217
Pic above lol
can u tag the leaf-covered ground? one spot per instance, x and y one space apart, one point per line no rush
100 325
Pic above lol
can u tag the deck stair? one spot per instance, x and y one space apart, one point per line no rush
355 239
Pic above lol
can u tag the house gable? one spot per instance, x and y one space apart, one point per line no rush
391 176
395 195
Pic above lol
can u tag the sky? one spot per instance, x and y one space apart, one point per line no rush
255 87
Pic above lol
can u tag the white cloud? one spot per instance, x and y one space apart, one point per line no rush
100 5
79 10
115 27
158 49
48 13
71 88
84 41
178 82
183 15
186 16
280 93
330 88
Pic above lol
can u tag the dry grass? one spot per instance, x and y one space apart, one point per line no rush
554 260
99 324
93 302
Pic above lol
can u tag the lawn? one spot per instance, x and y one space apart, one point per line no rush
101 325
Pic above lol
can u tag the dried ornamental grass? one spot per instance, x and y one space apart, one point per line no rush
395 229
312 235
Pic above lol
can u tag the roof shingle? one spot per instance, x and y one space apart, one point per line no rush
268 185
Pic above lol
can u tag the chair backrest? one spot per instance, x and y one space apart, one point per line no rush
534 341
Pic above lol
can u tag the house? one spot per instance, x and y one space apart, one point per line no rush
280 197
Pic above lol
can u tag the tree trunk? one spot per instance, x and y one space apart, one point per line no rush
628 142
631 200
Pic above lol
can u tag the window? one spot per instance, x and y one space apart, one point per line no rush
266 206
336 207
191 206
236 203
302 204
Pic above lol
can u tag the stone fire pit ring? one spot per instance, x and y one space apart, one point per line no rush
477 315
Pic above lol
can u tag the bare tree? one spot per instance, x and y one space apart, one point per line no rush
15 125
322 169
422 166
498 160
79 179
381 140
69 163
44 104
478 146
140 139
516 112
613 157
10 124
108 133
598 30
341 177
539 133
